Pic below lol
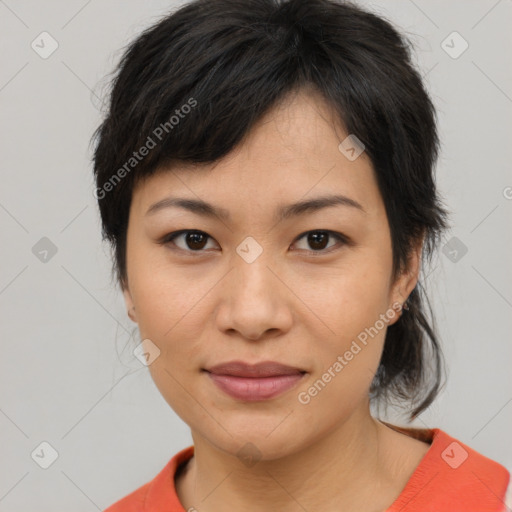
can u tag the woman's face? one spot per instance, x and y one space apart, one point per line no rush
256 286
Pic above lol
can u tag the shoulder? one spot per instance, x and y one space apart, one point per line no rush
133 502
159 494
453 476
508 496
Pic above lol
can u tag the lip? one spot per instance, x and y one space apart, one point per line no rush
254 382
263 369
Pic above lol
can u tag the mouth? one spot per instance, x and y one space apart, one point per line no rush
257 382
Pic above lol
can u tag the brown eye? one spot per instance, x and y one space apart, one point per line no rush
195 241
317 241
191 241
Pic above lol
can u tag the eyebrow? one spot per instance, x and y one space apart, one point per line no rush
200 207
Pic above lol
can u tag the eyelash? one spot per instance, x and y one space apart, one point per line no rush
169 238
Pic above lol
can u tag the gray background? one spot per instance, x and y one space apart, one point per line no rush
68 376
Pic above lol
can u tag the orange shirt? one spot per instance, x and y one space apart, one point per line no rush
451 477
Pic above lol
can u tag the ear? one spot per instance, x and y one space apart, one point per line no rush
129 304
408 278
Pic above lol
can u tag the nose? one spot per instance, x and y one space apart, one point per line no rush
254 302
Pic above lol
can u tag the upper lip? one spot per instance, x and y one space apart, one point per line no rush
263 369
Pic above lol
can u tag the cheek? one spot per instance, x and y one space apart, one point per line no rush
349 298
347 358
167 300
349 304
168 310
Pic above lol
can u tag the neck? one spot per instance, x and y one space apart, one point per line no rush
343 467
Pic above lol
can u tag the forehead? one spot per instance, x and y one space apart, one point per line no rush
292 153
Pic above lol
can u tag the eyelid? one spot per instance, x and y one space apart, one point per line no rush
343 239
168 238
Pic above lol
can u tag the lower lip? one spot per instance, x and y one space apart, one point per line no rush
254 389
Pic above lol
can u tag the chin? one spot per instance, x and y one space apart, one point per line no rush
256 441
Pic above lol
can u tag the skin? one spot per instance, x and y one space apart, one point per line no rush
293 305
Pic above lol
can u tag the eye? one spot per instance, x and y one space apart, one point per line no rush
196 241
317 240
192 241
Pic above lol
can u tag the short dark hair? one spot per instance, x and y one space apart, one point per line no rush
207 72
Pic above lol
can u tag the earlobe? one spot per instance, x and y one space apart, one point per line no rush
414 267
131 314
129 304
400 296
407 281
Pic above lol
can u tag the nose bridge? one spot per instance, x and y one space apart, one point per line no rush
253 281
253 305
254 294
253 302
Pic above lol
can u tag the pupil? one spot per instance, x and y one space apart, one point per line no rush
313 239
316 240
193 238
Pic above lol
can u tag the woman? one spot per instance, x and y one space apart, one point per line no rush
265 177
